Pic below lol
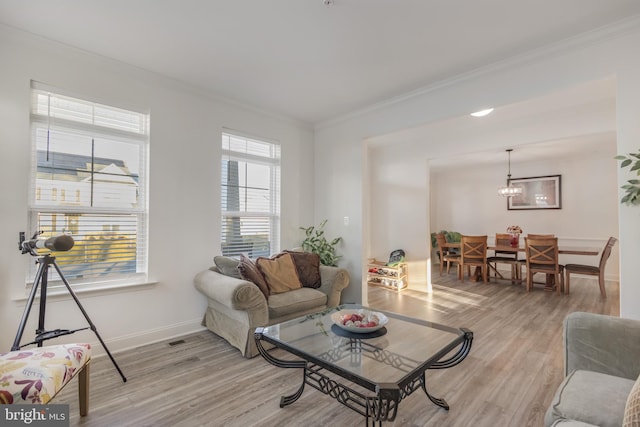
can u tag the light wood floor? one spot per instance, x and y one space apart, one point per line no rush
508 379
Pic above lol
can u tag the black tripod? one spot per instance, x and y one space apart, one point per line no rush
41 333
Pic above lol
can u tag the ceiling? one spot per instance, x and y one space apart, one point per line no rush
517 126
303 59
529 153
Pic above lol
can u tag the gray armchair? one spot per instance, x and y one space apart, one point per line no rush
236 307
602 366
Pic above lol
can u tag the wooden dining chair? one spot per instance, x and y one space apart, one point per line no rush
591 270
536 236
473 253
542 257
447 256
502 257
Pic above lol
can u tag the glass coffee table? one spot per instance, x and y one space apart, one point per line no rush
369 372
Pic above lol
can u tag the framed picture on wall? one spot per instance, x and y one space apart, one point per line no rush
538 192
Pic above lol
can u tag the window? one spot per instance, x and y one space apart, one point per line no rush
250 196
98 154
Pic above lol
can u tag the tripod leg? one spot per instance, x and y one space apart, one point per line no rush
43 297
86 316
27 309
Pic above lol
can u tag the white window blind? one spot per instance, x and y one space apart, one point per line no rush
250 196
89 179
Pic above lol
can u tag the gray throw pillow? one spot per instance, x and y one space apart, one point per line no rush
227 266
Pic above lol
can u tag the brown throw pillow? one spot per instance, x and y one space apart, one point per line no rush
280 273
249 271
308 267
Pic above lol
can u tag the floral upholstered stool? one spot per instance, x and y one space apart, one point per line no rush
36 375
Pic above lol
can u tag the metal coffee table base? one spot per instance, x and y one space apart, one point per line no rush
383 406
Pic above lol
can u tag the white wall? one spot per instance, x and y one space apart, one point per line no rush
569 132
184 213
611 52
465 200
398 206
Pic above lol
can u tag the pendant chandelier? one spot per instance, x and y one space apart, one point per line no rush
509 190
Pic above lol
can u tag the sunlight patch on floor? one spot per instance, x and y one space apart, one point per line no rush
447 298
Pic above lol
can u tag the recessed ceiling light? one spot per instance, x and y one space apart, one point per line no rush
482 113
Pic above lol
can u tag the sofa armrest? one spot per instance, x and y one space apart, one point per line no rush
600 343
237 294
333 281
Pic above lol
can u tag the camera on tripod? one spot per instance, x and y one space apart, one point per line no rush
63 242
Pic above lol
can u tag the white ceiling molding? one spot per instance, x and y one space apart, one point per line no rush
314 64
598 35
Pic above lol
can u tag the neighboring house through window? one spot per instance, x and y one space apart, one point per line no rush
98 154
250 196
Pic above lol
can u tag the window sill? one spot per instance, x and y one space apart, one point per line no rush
93 290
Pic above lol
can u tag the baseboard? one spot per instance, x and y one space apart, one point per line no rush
151 336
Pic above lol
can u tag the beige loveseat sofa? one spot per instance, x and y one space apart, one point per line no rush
236 306
602 368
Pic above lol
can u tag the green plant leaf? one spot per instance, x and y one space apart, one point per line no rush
632 187
316 242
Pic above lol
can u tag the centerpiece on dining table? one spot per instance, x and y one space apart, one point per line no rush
515 231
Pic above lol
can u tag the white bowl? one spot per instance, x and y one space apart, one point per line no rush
337 319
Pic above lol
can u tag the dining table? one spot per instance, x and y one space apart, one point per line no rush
566 250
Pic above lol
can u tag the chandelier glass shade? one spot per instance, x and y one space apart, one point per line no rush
509 190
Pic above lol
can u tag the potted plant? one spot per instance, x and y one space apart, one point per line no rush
451 236
632 188
317 243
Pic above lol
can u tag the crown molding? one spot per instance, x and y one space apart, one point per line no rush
144 74
588 38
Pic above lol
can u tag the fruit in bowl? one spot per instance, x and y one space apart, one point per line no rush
369 320
359 320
